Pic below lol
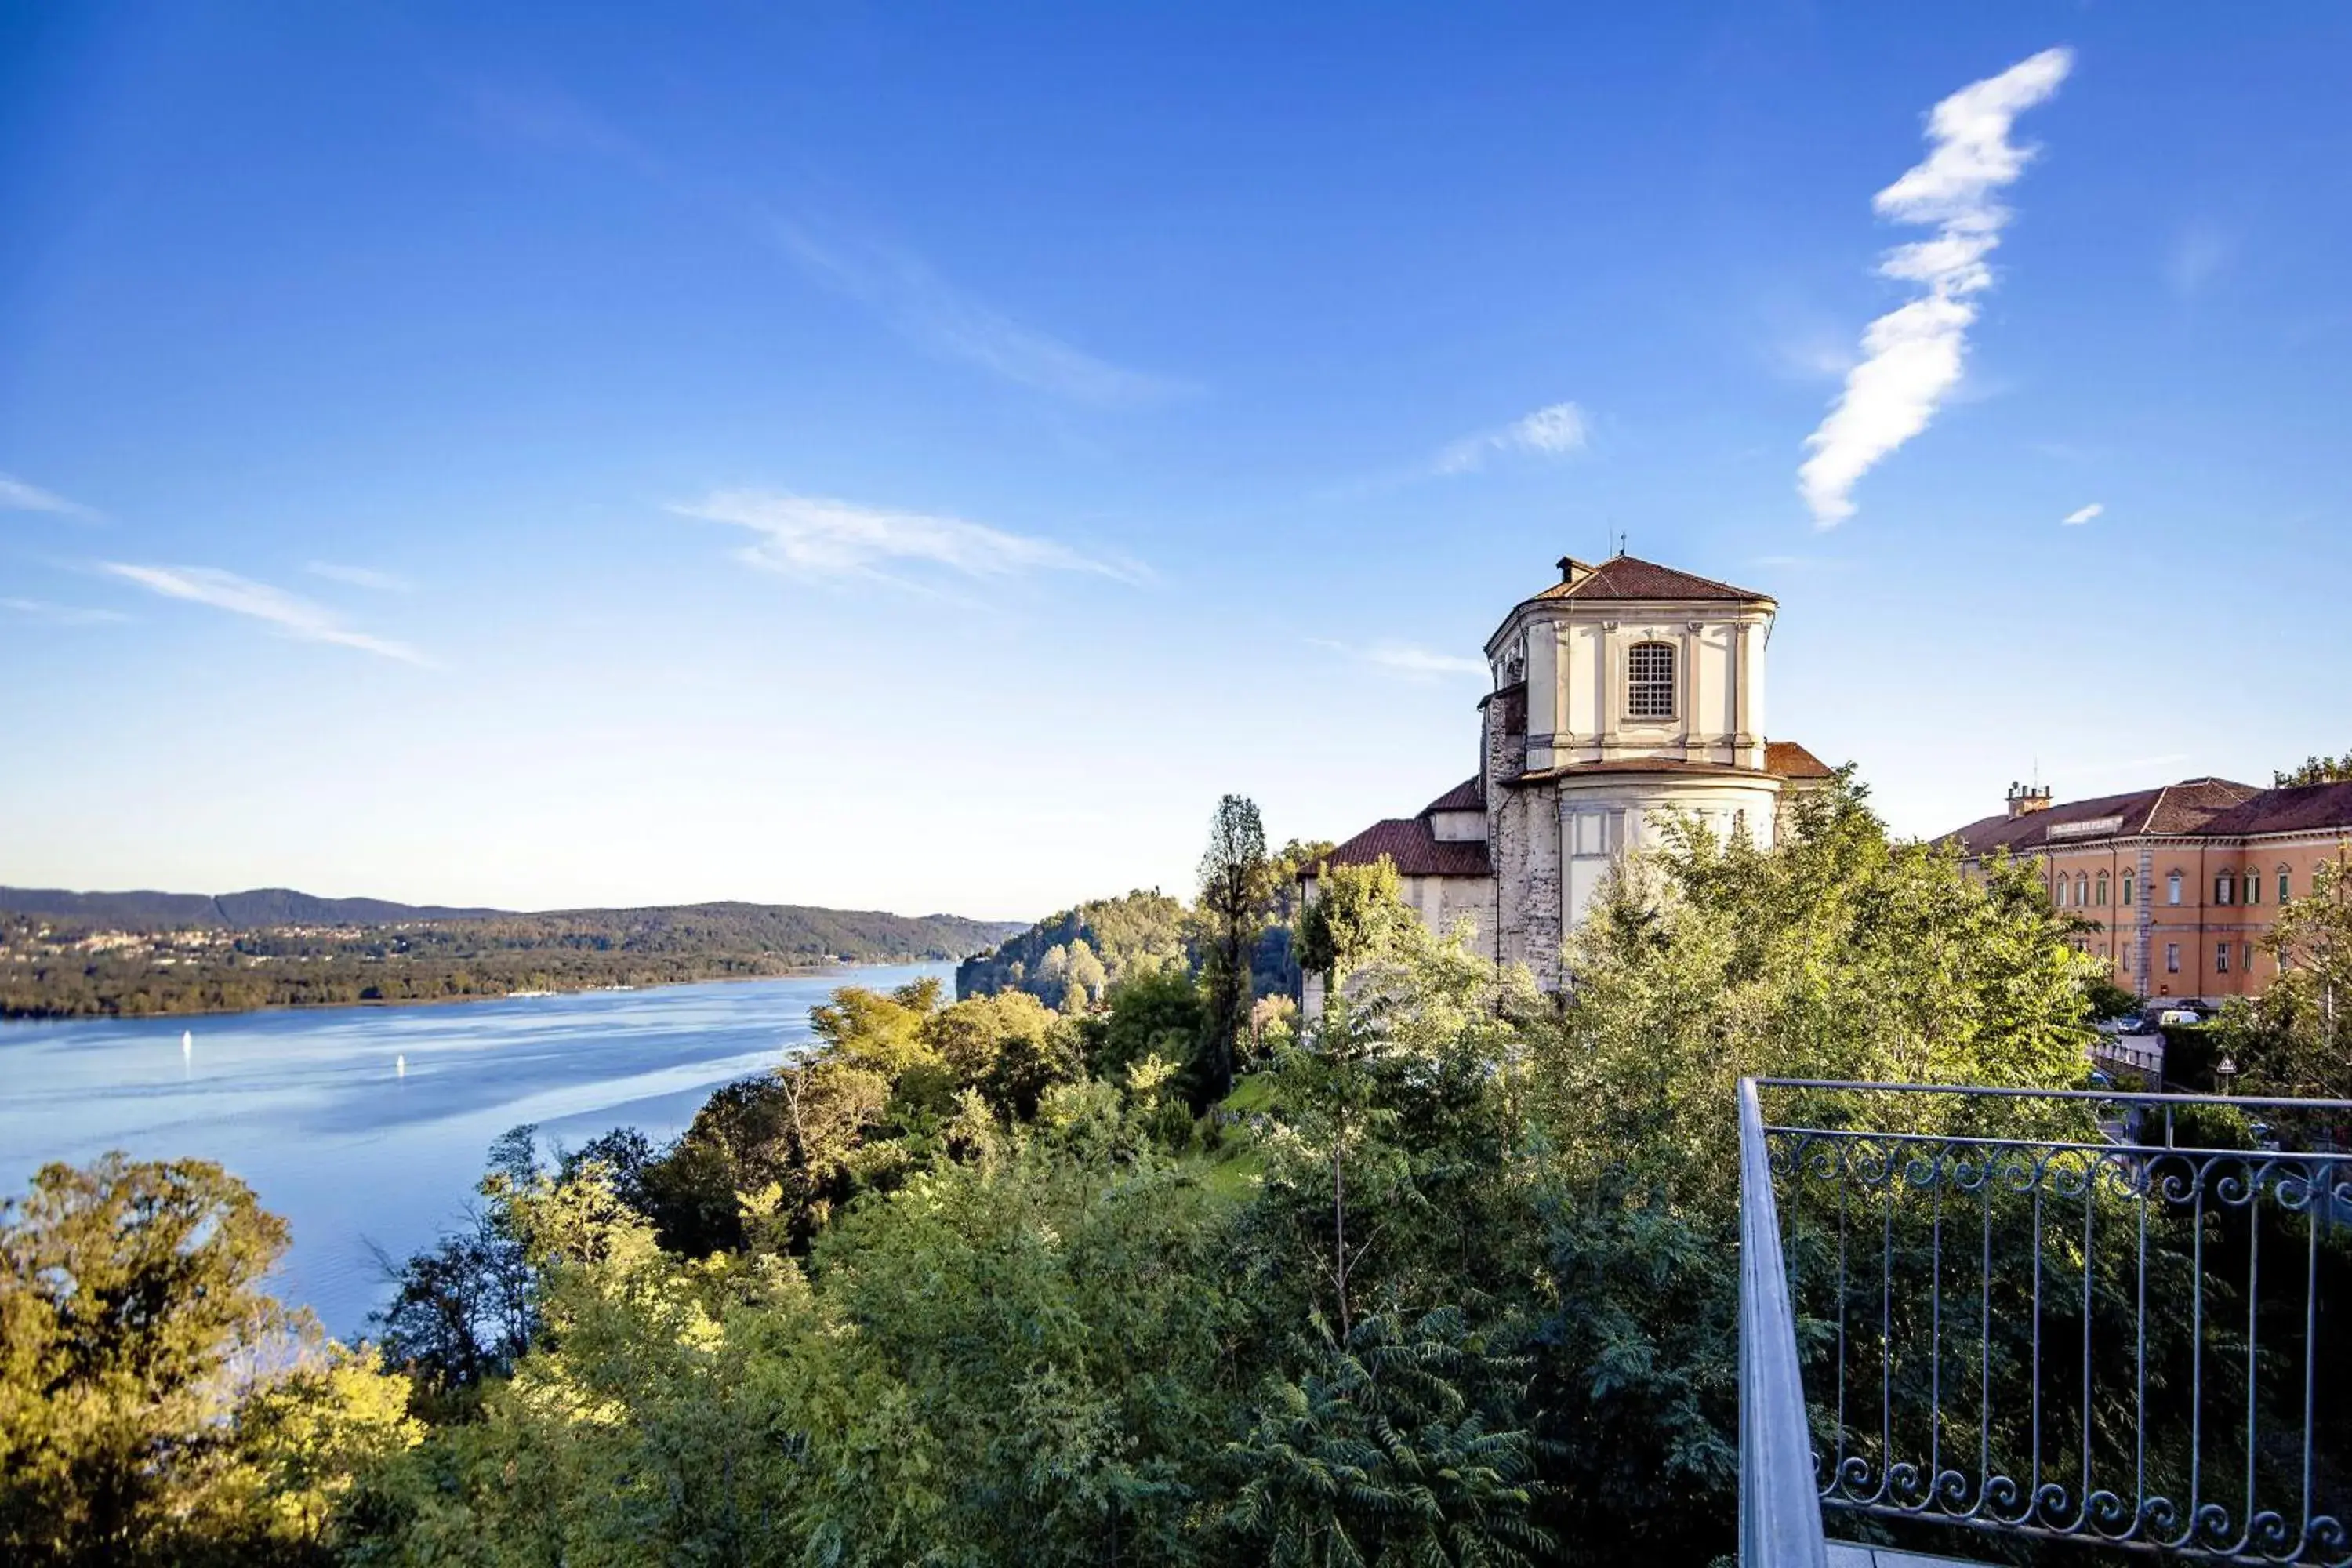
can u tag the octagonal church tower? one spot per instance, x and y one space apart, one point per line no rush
1623 692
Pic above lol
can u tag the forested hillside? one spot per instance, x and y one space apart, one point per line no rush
283 950
146 912
1094 945
1091 946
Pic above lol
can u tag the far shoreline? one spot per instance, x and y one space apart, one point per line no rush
815 970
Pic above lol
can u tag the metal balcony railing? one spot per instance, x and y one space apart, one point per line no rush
2087 1315
1779 1513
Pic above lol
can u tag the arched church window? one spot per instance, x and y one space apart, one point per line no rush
2103 890
1649 680
2253 881
2128 888
2082 890
2223 884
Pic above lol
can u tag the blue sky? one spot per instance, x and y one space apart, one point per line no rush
919 458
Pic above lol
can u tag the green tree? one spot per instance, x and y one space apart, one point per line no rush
1838 953
129 1286
460 1310
2295 1038
1234 873
1358 913
2316 770
155 1406
1085 977
1157 1012
1399 1446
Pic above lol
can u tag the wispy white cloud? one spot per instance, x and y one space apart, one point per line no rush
1817 358
2200 254
16 495
815 538
290 616
1557 430
1912 356
41 610
935 315
896 285
1406 662
2084 514
361 577
539 117
2089 772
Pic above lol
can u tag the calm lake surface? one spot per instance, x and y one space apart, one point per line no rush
313 1109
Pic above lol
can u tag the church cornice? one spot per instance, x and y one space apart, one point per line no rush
1624 767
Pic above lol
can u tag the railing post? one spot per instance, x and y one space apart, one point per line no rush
1779 1508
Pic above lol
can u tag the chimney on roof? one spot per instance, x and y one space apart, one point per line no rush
2025 798
1572 571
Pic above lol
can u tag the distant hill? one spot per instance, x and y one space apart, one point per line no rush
61 953
1117 936
143 911
799 928
793 930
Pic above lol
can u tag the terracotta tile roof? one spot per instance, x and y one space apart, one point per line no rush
1463 796
2306 808
1791 761
1630 577
2192 806
1418 852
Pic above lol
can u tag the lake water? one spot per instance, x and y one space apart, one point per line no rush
314 1110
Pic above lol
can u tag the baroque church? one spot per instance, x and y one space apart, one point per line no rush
1623 692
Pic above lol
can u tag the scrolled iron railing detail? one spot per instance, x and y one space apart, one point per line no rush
2062 1332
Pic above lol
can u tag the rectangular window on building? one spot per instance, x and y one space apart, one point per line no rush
2172 888
2128 889
2172 958
2221 889
2253 888
1649 680
2283 897
2247 953
2220 958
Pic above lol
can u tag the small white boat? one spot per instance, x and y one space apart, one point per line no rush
187 1042
400 1066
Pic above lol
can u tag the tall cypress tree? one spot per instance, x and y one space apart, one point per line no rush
1231 907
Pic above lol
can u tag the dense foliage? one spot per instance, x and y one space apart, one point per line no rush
1093 945
2295 1038
154 1405
53 970
249 911
2315 770
1088 945
1448 1277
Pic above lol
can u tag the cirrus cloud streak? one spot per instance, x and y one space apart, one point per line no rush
1407 662
818 538
284 613
1912 356
16 495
